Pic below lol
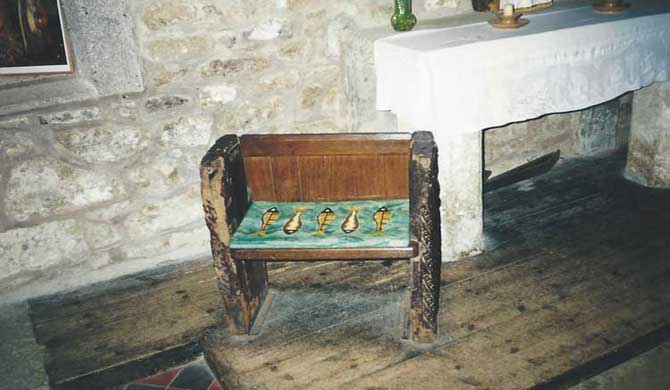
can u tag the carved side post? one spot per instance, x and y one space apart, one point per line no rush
225 201
425 230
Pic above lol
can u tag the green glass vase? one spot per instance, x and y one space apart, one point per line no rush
403 19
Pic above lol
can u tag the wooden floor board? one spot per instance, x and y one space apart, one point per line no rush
118 323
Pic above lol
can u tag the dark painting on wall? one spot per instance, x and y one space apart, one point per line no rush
32 38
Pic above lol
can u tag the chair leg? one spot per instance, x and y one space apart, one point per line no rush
425 297
243 286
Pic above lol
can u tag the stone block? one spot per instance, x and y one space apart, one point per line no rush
279 81
15 144
45 94
164 14
316 126
71 117
102 38
100 235
36 248
625 120
166 173
227 39
103 144
163 74
293 4
360 90
253 116
182 50
311 96
432 5
598 128
184 244
164 216
235 67
128 109
111 213
339 30
217 95
272 28
320 87
22 122
460 175
45 186
231 13
97 260
648 162
376 14
163 103
191 131
314 39
293 50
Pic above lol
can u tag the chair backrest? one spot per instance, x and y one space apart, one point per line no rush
327 167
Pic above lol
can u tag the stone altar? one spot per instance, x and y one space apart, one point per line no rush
458 81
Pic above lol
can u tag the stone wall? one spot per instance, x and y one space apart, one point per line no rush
101 187
95 188
597 129
649 150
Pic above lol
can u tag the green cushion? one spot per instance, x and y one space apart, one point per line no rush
395 231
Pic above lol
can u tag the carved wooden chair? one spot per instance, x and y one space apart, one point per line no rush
239 172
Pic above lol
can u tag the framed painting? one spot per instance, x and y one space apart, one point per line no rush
32 38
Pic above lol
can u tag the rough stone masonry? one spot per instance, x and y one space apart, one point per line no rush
96 187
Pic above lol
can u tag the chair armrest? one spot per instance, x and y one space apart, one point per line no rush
224 188
424 209
225 200
424 194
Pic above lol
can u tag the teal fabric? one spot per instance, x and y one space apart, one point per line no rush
395 234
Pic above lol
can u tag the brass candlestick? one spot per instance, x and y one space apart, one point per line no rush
508 21
610 6
494 6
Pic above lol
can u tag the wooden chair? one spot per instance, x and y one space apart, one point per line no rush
237 171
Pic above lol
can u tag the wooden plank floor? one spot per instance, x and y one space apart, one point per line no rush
574 272
112 333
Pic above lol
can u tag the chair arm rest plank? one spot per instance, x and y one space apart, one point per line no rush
424 203
225 198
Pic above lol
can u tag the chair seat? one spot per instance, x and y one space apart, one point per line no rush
395 233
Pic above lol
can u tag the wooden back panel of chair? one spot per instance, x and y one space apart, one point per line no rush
326 167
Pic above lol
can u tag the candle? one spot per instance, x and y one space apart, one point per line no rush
508 10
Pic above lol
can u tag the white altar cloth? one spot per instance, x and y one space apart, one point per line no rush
468 78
